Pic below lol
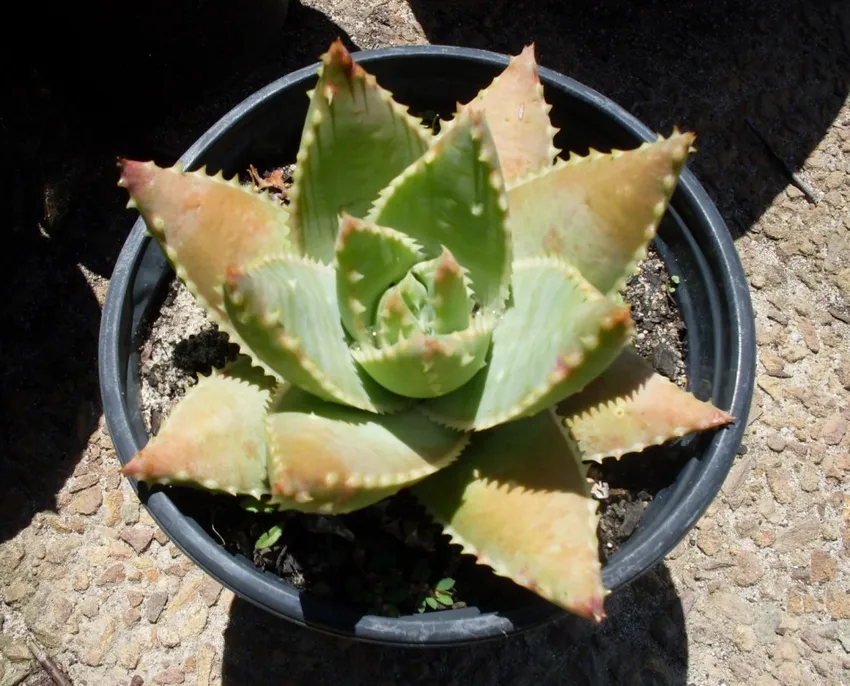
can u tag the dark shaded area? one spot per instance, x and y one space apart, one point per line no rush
83 85
643 641
704 66
201 353
384 559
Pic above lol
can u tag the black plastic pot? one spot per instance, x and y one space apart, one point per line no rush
693 241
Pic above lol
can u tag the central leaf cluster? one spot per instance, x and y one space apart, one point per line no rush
431 299
421 277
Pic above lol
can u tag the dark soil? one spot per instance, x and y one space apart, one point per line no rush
660 335
384 559
388 558
628 485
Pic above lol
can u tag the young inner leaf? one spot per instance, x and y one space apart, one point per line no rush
557 335
369 259
285 307
427 366
450 305
401 312
453 196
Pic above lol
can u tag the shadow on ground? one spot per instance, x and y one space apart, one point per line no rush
137 80
643 641
704 66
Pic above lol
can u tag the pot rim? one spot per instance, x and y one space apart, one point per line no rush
450 627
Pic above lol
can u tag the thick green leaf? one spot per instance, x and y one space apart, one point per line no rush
205 226
601 211
629 407
369 259
214 438
285 308
519 502
356 139
326 457
401 312
450 307
426 366
557 335
454 197
518 117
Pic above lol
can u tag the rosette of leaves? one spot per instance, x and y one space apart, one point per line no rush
437 312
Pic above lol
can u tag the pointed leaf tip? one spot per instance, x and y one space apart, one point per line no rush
518 117
356 139
452 306
339 56
518 501
447 268
425 366
134 173
600 211
213 438
630 407
195 218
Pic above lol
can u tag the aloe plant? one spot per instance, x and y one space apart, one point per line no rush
439 312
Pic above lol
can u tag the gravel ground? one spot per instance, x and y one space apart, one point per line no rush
760 591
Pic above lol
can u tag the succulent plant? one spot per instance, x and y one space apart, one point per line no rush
439 312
